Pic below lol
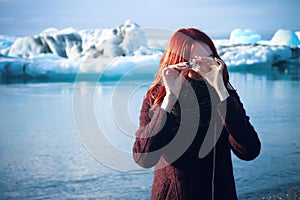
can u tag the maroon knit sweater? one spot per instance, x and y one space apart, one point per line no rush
180 173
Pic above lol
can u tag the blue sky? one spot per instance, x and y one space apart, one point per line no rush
216 17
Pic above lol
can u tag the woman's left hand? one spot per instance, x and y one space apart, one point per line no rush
211 69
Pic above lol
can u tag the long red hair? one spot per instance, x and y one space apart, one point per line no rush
178 50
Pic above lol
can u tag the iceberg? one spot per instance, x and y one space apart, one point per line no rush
127 49
286 38
247 36
49 67
73 44
246 48
247 55
6 41
298 34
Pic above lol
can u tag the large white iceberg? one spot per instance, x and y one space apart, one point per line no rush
73 44
286 38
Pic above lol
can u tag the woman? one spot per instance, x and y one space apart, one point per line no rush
190 119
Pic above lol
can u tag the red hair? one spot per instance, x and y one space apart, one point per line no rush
178 50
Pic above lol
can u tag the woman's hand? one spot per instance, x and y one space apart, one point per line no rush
173 80
211 69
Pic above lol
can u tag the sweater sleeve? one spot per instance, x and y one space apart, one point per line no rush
152 134
243 138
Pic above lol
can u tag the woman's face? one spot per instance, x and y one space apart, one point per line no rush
200 49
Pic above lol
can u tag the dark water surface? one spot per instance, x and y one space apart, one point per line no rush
42 157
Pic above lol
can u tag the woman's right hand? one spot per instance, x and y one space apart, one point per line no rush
173 80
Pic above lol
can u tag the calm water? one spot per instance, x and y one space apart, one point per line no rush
42 156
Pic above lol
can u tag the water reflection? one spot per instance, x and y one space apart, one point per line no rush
41 152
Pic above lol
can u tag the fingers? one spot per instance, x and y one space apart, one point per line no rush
210 62
220 62
173 69
169 71
209 65
179 66
173 75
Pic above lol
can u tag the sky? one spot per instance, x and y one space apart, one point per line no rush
216 17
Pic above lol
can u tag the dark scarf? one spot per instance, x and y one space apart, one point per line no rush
205 94
197 97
